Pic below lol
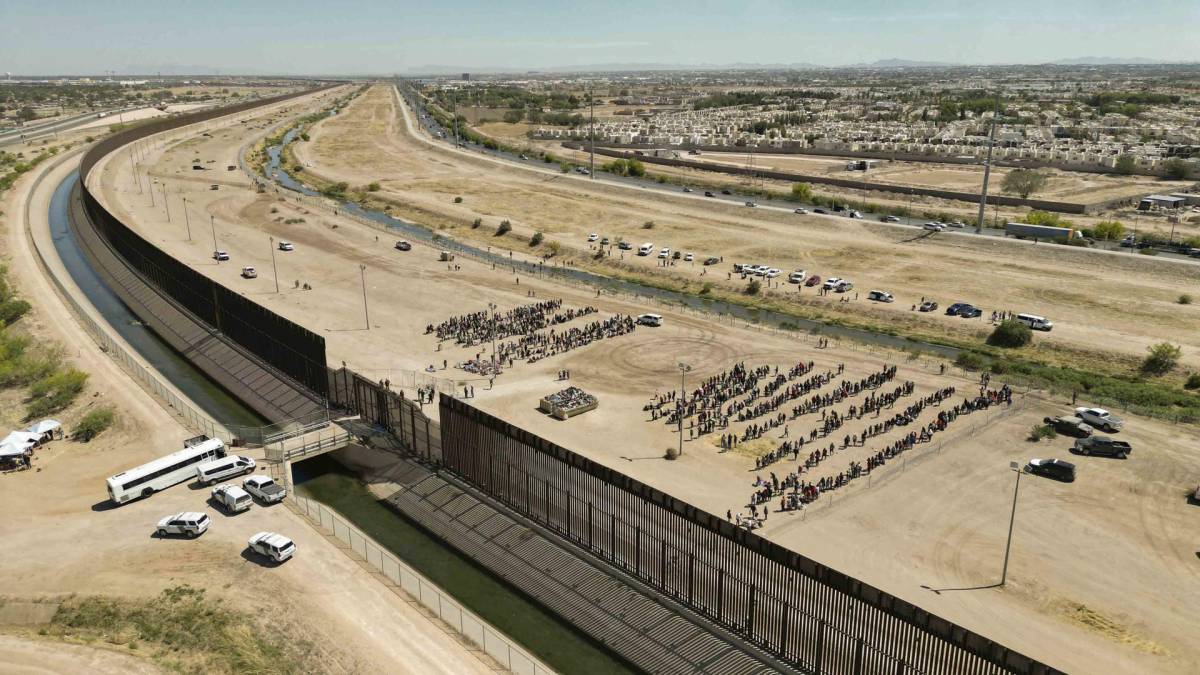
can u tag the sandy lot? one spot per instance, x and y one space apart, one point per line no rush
69 539
935 520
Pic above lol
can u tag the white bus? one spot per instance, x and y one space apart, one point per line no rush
164 472
1035 322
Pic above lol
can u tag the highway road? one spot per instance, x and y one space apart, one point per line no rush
437 131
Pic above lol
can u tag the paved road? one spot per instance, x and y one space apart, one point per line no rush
58 126
447 135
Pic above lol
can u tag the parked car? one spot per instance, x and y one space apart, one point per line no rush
1052 468
963 309
843 286
403 246
653 320
796 277
232 498
286 246
880 296
665 253
189 524
1100 418
220 255
1069 426
831 283
267 490
1105 446
689 257
214 186
773 272
604 241
711 260
275 547
593 237
812 281
800 211
249 273
928 306
625 246
891 219
222 468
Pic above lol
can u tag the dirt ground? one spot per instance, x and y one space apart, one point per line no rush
69 540
1092 313
1103 573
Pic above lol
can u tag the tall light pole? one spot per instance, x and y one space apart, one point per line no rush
684 369
592 135
152 182
186 221
212 222
133 165
363 272
166 206
274 269
492 309
987 167
1016 467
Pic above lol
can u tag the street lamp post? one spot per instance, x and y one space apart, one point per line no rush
152 183
186 220
363 272
274 269
492 309
166 206
213 223
683 371
1015 467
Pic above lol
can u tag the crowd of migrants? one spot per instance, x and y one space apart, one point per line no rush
483 326
793 492
818 401
706 401
536 346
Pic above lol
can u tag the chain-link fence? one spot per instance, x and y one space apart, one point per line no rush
463 621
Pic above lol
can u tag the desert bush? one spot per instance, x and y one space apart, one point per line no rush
1162 359
536 239
754 287
1193 382
706 288
505 228
476 223
94 423
648 225
374 186
1040 431
1010 333
1185 299
12 310
55 392
971 361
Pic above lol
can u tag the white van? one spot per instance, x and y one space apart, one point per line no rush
232 498
220 469
1035 322
650 319
646 249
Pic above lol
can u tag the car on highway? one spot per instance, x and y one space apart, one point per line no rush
812 281
820 211
855 214
1052 468
220 255
891 219
708 194
522 157
726 192
934 227
801 211
272 546
751 204
688 189
796 277
403 246
928 306
1068 426
249 273
1103 446
1100 418
189 524
593 237
880 296
957 224
286 246
711 260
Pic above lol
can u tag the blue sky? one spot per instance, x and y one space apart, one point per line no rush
361 36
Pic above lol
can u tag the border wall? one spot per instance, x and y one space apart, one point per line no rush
812 616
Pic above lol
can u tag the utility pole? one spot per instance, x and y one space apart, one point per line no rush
187 221
454 115
166 206
1016 467
212 222
683 371
363 271
152 182
592 134
274 269
492 309
133 165
987 167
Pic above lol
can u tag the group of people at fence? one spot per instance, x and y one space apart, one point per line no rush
537 346
793 492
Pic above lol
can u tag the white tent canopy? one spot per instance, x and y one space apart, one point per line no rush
45 427
21 439
8 450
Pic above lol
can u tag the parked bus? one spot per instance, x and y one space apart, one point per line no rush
164 472
1035 322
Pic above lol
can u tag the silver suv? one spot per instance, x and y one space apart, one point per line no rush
190 524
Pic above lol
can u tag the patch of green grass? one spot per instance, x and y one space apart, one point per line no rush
185 632
95 423
55 392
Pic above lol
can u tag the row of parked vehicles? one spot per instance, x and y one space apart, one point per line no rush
1083 426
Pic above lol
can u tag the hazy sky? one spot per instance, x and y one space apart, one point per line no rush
382 36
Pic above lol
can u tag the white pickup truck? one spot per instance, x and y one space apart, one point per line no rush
266 490
232 498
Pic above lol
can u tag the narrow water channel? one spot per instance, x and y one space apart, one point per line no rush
557 644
